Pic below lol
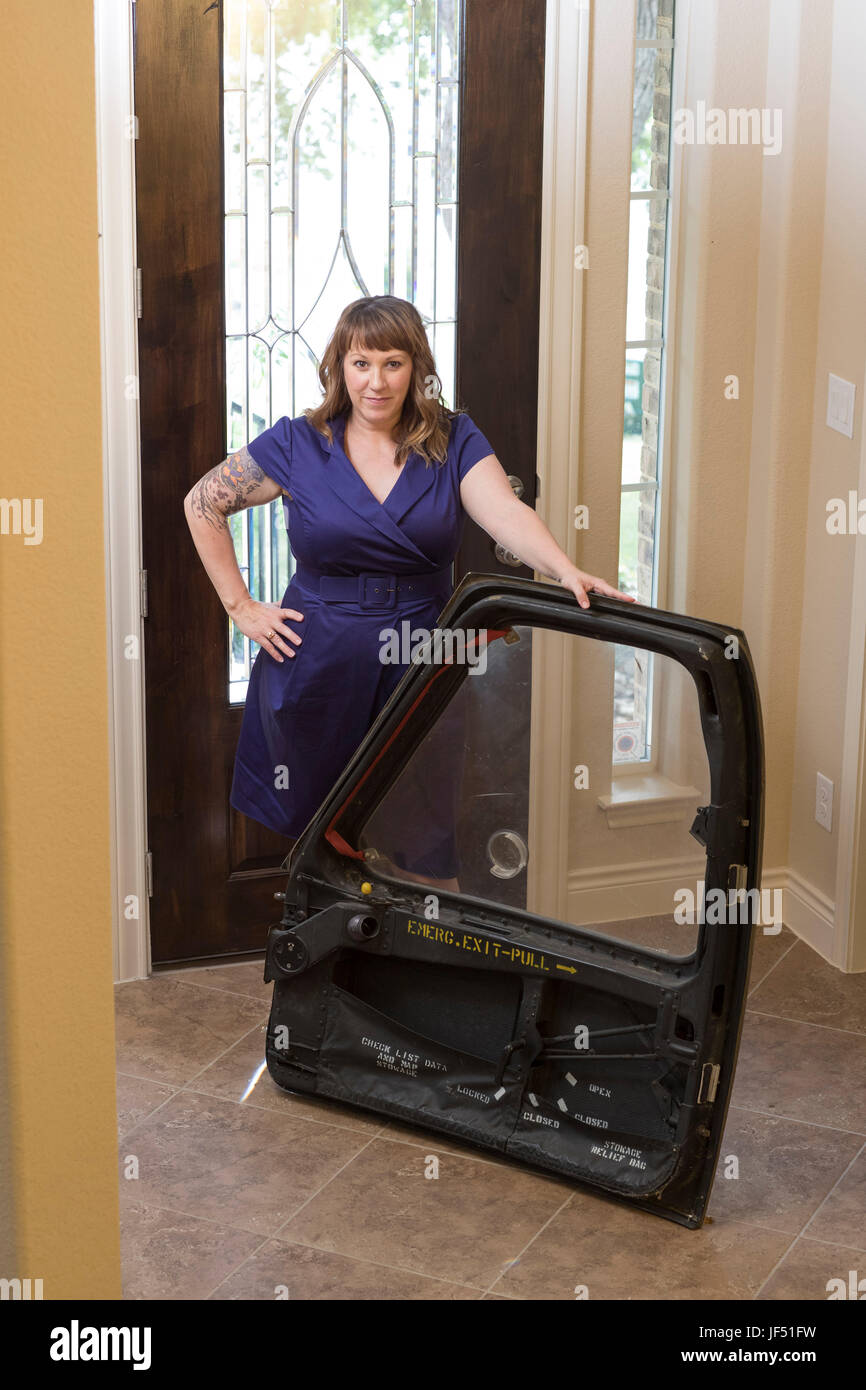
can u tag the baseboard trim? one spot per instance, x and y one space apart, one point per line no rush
646 889
810 914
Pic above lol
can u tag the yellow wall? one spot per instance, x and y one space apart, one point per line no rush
57 1032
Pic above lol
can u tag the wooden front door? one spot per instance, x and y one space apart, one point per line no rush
242 107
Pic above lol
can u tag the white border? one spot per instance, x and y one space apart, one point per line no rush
121 480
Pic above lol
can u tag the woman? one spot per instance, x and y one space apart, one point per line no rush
376 483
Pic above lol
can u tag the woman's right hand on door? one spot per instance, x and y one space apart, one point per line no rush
266 624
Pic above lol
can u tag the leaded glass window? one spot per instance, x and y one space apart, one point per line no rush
340 137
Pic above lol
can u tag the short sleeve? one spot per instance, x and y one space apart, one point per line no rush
469 443
272 451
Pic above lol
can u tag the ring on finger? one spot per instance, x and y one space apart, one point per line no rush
270 634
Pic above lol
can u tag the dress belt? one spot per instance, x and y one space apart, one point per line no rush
373 590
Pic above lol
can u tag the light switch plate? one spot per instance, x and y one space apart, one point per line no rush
840 405
824 801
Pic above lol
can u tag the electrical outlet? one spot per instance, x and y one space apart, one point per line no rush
824 802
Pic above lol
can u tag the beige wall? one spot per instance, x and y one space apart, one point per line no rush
57 1033
787 306
712 334
829 560
769 285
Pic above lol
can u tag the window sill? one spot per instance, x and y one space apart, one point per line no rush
647 800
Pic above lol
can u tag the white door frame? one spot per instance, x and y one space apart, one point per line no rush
565 132
566 110
559 386
115 143
849 942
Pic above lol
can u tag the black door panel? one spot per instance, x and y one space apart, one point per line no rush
564 1044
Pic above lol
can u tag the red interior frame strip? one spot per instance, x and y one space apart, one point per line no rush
333 836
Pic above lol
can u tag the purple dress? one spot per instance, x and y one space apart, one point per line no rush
305 717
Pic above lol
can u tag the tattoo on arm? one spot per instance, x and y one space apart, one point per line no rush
223 491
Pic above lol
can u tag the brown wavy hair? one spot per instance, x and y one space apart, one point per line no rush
382 321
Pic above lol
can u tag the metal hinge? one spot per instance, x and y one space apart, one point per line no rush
142 592
738 876
148 872
709 1083
138 291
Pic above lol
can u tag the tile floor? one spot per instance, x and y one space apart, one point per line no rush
242 1188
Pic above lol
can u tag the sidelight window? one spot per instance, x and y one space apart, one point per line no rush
648 257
